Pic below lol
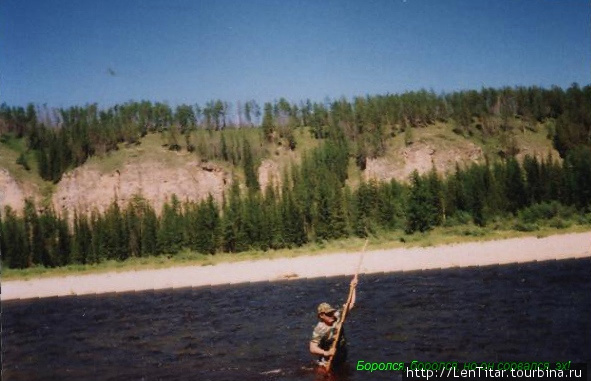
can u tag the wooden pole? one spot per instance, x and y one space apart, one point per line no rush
339 327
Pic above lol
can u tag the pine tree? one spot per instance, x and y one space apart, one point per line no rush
224 145
43 165
322 212
420 209
253 222
115 233
234 236
64 241
134 229
206 227
252 181
514 186
33 234
294 231
149 230
272 223
338 215
82 240
170 239
533 183
330 219
456 198
476 191
48 231
389 208
436 198
364 209
498 201
268 125
98 251
14 251
552 178
577 172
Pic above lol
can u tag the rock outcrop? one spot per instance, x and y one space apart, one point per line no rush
11 192
85 189
422 157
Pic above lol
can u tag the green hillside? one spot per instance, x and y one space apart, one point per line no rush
493 159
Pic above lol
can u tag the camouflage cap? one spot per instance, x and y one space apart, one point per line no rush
325 308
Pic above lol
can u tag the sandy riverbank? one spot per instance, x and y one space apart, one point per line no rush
576 245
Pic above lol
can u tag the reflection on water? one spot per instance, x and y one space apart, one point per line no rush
260 331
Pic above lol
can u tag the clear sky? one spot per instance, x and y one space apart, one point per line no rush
73 52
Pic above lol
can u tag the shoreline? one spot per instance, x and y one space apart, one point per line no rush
513 250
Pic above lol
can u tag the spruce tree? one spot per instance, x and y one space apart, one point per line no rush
82 239
234 236
294 231
149 230
534 187
420 210
48 230
363 210
224 148
98 251
577 171
268 125
33 234
322 211
272 223
254 228
14 251
133 228
389 205
436 198
170 240
64 241
250 173
207 227
338 215
514 186
115 233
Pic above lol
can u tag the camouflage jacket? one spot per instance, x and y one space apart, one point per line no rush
323 334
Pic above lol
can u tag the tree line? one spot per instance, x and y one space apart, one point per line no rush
64 138
312 204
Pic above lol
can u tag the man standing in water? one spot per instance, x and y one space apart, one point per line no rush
325 331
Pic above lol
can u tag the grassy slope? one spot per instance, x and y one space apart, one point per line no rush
10 149
151 149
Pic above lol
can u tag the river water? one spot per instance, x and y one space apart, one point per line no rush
260 331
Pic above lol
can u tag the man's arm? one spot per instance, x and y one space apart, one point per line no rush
316 350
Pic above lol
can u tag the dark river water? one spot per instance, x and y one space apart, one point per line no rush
260 331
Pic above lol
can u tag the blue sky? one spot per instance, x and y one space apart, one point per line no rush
68 52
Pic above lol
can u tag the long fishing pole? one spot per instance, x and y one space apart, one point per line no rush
339 327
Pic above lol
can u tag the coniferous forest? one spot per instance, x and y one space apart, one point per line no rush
313 202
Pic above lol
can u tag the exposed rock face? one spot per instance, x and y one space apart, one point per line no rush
11 193
422 157
269 173
85 189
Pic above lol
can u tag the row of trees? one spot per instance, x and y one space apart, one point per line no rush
64 138
313 203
